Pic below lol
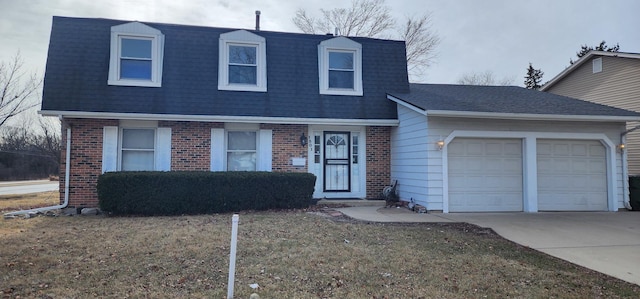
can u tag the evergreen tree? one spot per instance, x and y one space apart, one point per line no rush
584 49
533 78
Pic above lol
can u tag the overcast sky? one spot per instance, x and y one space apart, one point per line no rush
476 36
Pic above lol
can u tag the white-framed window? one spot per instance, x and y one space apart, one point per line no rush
242 62
242 150
597 65
137 52
137 149
241 147
340 67
136 146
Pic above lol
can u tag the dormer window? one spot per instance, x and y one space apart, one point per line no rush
341 70
340 67
136 55
135 58
242 62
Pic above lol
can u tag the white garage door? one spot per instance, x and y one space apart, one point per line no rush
572 175
485 175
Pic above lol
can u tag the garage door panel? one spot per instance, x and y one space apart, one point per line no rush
572 175
485 175
579 150
597 150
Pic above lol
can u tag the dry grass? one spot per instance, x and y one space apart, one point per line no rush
289 254
28 201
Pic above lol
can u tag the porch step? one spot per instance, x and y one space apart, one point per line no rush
352 202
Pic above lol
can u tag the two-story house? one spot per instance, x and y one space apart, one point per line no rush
167 97
149 96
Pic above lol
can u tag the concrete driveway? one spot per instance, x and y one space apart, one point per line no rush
603 241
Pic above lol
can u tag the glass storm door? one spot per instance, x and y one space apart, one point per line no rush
336 162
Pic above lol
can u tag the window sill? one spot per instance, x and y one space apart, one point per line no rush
242 87
342 92
139 83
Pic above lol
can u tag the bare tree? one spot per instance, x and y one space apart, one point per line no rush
17 90
368 18
29 151
420 41
372 18
484 78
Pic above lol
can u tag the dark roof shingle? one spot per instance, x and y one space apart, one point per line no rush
501 99
78 65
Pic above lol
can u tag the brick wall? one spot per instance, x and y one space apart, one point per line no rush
378 160
86 160
190 144
191 150
286 145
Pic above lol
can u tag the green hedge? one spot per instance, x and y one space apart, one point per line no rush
177 193
634 192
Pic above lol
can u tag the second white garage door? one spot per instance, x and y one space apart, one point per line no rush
572 175
485 175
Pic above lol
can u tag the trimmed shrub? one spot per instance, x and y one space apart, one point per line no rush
177 193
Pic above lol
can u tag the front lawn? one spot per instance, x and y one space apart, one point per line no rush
292 254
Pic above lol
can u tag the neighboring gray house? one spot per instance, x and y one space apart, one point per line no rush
605 78
504 148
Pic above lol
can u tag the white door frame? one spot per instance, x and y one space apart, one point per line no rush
358 171
529 160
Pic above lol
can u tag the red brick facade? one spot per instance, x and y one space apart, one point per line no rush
378 160
286 145
86 160
191 150
190 144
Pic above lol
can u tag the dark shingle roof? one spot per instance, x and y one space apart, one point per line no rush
501 99
78 66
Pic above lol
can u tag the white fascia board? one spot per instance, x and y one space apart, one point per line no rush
407 105
581 61
530 116
218 118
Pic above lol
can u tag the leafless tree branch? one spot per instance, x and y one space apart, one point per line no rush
420 42
17 90
372 18
484 78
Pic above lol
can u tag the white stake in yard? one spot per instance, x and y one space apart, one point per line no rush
232 255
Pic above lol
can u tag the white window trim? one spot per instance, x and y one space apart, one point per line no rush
242 38
227 151
136 30
120 149
597 65
339 44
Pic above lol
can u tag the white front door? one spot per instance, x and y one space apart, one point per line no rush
336 158
337 174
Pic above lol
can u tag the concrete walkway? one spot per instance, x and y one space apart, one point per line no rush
602 241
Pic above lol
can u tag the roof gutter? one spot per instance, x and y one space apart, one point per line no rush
224 118
531 116
66 186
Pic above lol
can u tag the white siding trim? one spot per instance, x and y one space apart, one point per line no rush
163 149
109 149
265 152
530 170
217 150
226 119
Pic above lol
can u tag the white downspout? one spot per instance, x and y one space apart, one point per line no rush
66 185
